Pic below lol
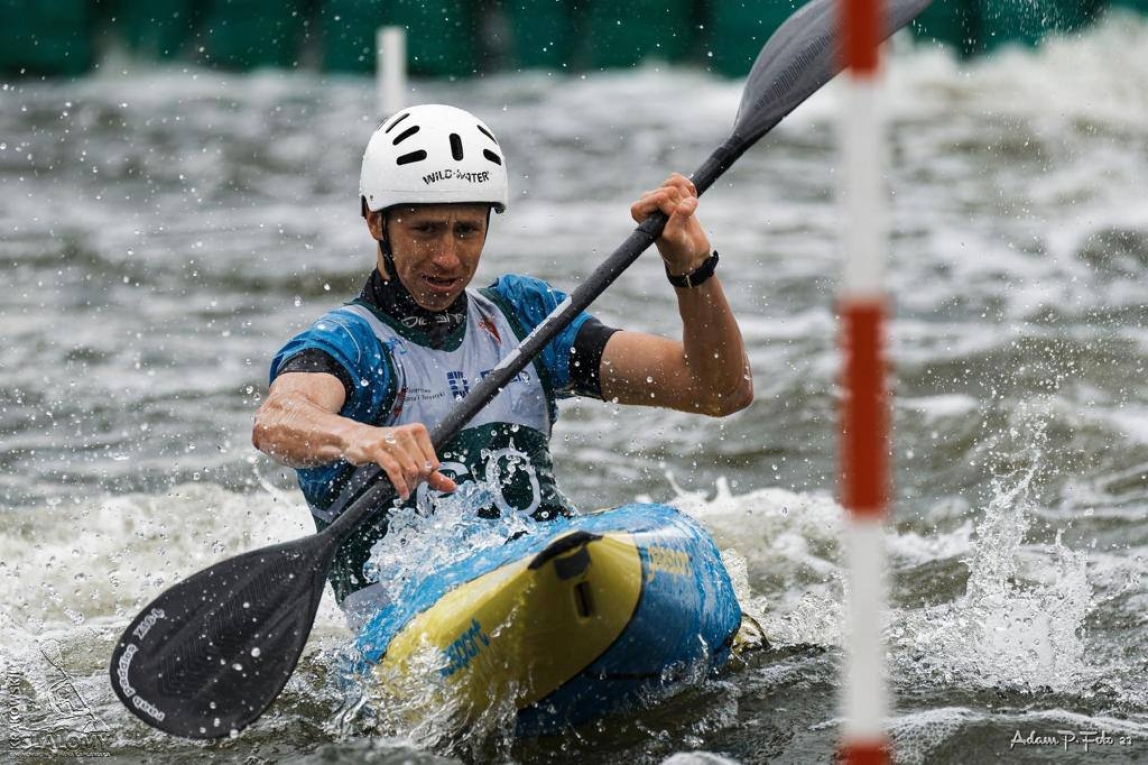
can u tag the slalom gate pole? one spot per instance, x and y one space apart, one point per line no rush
391 69
864 418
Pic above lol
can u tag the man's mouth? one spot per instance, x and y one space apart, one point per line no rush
440 283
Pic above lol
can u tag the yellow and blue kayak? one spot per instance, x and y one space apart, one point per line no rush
585 618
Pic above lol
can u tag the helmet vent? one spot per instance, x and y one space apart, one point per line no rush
456 147
492 156
487 133
405 135
396 121
414 156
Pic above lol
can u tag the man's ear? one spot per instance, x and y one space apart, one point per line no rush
375 224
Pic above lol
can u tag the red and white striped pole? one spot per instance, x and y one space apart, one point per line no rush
864 419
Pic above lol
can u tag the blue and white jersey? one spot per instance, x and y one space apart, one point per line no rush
398 378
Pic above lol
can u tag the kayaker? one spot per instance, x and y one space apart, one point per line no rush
363 384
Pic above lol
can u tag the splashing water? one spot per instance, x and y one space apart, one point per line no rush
411 701
1019 624
792 551
417 544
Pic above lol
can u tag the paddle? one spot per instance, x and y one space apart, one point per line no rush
208 656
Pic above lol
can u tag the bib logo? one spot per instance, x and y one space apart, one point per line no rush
499 468
459 385
459 175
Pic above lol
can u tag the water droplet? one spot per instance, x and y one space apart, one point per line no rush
237 667
246 604
255 652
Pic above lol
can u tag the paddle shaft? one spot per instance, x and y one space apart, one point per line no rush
381 491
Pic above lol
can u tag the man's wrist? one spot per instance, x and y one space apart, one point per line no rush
679 269
695 277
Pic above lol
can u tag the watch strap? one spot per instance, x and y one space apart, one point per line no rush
697 276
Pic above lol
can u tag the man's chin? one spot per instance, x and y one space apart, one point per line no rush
436 302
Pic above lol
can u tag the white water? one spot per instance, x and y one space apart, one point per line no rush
417 543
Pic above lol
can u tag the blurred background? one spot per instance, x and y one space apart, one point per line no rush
179 195
462 38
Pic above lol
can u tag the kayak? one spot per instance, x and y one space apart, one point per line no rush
588 617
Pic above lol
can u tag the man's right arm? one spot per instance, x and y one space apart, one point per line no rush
300 426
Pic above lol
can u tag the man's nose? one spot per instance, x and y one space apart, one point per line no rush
446 250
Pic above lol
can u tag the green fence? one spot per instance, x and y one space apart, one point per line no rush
157 30
46 37
738 28
244 34
980 26
459 38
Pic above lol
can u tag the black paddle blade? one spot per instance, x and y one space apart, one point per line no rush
210 654
800 57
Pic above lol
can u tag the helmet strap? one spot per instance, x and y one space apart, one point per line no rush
386 252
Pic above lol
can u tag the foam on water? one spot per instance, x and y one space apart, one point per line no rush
918 737
73 575
1020 622
698 758
791 557
105 557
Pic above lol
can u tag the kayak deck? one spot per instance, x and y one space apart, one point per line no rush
566 625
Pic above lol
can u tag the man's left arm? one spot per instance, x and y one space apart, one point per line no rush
708 370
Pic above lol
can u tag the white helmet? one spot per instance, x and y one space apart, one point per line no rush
433 154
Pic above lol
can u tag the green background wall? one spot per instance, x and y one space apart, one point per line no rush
459 38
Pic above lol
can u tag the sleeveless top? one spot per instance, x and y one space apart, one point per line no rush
506 444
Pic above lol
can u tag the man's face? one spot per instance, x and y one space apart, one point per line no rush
436 248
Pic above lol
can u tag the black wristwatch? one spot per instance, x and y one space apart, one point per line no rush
697 276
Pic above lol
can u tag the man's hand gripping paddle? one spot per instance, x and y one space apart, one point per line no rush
209 655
